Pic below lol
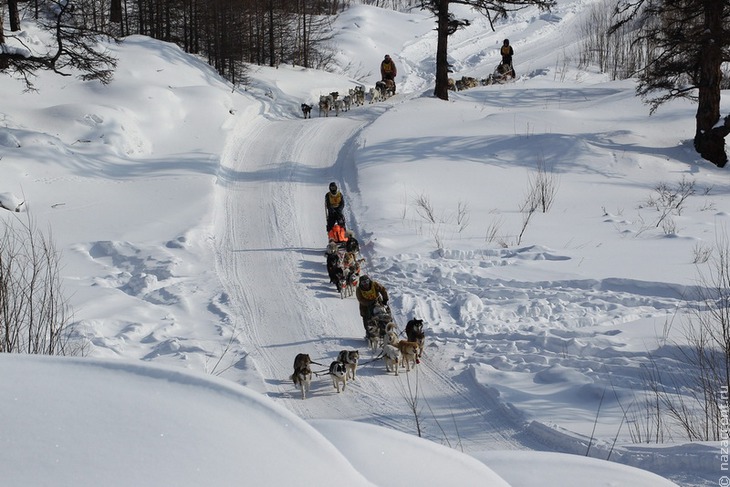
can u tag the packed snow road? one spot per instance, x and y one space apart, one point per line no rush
270 239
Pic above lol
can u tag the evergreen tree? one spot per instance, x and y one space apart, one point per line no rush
689 40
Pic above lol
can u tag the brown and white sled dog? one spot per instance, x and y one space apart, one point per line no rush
409 353
392 358
302 376
350 358
414 333
338 371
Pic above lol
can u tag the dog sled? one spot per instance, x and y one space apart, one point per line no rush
383 90
388 87
377 323
344 266
503 73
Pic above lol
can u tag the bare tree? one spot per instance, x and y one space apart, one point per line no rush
33 311
619 54
74 47
410 395
447 24
542 189
690 41
689 389
708 334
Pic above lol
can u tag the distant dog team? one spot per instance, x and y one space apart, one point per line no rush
355 97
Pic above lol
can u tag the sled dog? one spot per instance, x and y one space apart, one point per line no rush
409 353
392 358
307 110
376 94
339 107
325 105
391 338
414 332
391 327
338 371
302 376
350 358
388 88
358 95
373 336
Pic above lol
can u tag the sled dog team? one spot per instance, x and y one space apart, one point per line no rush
380 328
354 97
396 353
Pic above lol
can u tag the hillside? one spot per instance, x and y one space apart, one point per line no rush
191 222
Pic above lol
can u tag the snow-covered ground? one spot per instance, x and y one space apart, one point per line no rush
191 221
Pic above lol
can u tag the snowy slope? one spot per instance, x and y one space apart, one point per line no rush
192 223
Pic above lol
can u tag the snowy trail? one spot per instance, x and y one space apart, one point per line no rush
270 238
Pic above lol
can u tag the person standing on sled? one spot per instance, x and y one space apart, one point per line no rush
388 70
334 204
367 294
507 52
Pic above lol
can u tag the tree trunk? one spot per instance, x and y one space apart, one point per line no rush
272 45
305 37
115 11
4 62
709 140
711 143
442 63
13 15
